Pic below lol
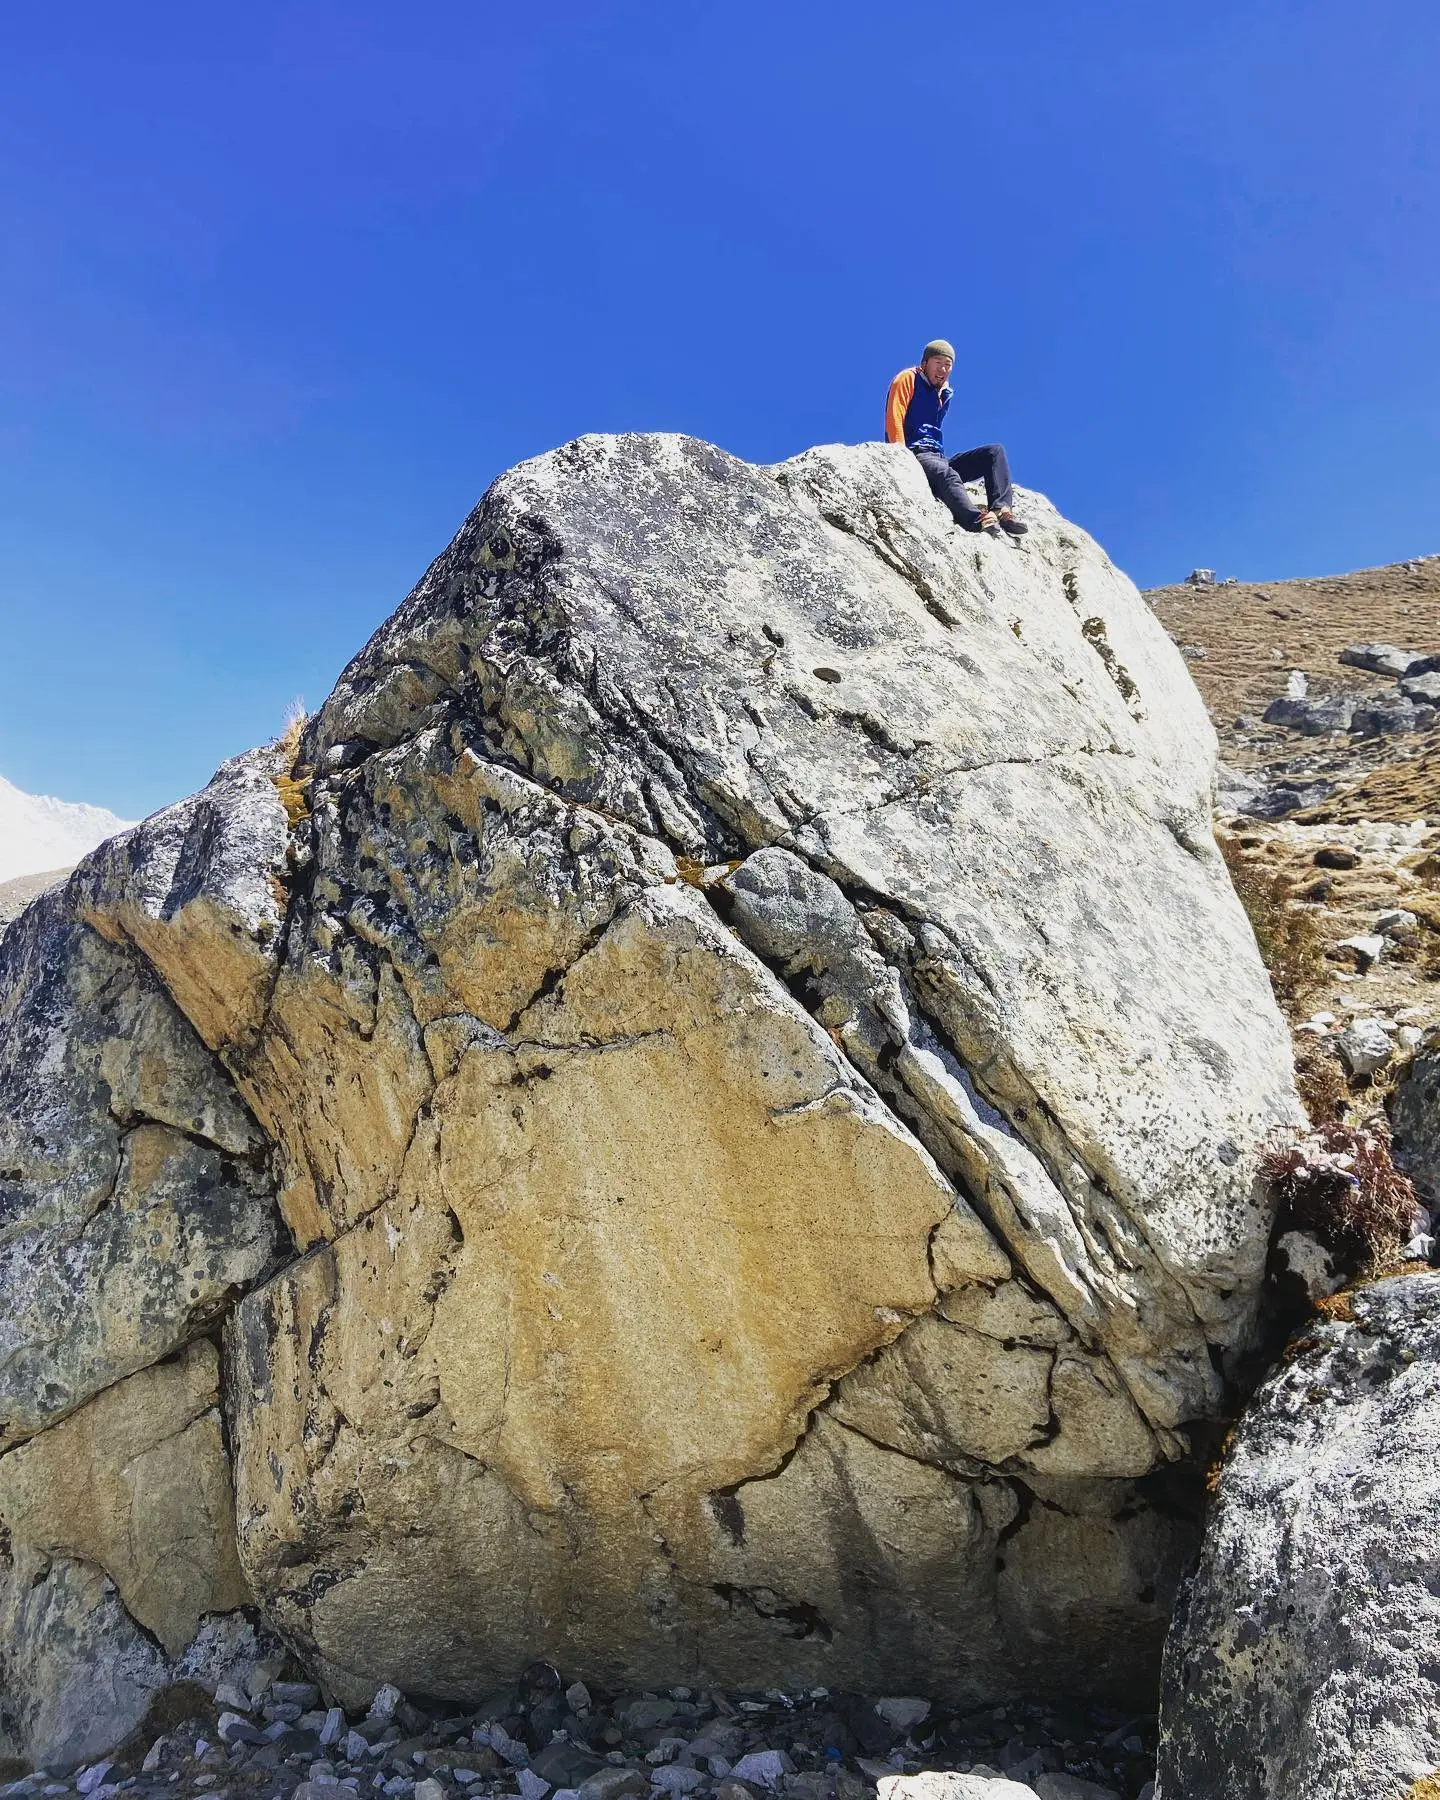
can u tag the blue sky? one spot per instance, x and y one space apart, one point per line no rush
283 287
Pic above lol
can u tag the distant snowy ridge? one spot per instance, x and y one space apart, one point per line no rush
38 833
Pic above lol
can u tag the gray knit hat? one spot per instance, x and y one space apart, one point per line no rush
938 347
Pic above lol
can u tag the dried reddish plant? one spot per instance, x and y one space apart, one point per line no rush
1339 1183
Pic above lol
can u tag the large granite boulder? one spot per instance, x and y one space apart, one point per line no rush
763 1073
1305 1650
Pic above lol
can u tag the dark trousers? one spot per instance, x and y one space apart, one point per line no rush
947 479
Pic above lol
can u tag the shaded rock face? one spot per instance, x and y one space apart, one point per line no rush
135 1204
1415 1122
133 1194
117 1539
762 1070
1303 1655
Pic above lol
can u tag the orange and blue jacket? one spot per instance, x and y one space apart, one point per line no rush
915 411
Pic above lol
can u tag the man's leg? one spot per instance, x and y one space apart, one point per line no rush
990 465
947 485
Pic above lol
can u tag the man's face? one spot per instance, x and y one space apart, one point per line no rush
936 370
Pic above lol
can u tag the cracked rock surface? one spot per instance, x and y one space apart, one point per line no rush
760 1070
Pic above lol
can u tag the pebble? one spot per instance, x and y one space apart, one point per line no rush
903 1714
768 1767
1072 1787
645 1715
387 1698
674 1778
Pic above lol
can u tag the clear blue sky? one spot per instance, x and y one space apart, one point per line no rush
283 286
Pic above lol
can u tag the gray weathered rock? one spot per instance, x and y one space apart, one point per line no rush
1364 1045
1423 689
135 1201
17 893
1071 1787
1383 659
1415 1123
1302 1657
944 1785
76 1672
134 1197
1314 716
1386 715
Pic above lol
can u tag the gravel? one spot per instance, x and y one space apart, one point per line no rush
542 1740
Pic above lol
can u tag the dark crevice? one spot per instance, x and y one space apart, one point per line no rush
796 1618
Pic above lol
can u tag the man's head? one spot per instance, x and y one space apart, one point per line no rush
936 361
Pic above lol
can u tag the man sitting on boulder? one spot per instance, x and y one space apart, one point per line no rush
914 413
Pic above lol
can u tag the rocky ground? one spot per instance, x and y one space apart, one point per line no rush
1344 826
545 1740
16 894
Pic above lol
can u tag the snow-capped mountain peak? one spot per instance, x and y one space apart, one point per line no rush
38 833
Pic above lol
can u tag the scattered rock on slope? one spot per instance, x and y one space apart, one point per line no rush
763 1069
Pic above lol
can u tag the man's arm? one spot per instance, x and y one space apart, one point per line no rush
902 392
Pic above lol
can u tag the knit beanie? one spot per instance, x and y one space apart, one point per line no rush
938 347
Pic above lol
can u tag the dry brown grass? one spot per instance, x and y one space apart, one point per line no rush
292 784
1288 936
1321 1084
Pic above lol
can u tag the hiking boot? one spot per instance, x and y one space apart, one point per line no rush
985 521
1008 522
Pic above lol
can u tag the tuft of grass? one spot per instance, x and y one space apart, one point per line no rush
1340 1184
1426 1788
291 785
1288 936
1321 1084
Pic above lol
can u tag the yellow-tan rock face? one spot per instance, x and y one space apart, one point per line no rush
632 1243
138 1483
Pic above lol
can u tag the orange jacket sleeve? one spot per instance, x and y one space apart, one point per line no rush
902 392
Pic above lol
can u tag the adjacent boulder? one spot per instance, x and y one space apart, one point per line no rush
1415 1123
1304 1652
763 1073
